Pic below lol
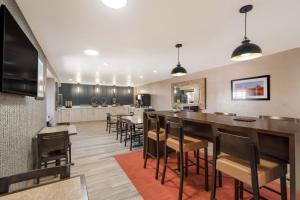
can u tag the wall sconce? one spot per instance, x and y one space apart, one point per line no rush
129 90
97 89
78 88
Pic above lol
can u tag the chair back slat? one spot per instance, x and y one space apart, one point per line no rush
49 142
289 119
174 127
238 142
5 182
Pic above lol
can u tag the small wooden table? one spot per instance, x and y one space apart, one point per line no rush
68 189
60 128
136 120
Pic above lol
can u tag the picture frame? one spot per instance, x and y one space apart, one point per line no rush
252 88
41 81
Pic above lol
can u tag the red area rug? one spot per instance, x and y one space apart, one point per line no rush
150 188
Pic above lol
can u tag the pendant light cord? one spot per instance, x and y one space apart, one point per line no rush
178 56
245 37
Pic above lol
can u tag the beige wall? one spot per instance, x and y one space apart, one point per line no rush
20 117
283 67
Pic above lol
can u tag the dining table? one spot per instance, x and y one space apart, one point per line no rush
60 128
68 189
277 139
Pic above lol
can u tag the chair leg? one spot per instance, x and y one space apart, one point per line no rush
109 129
165 165
255 188
181 175
206 169
241 190
214 182
283 188
131 138
146 154
70 153
157 159
178 161
197 161
220 179
236 189
186 156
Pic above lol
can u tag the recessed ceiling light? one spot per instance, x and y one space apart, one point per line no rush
155 71
97 81
116 4
105 64
141 77
70 79
91 52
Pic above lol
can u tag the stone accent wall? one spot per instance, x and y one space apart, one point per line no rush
20 117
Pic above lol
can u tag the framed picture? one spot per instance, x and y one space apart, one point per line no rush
253 88
41 81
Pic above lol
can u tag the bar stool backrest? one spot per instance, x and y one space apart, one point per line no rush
174 128
153 122
241 143
108 117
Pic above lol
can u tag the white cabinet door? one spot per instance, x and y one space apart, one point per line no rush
57 118
65 116
75 115
83 115
91 115
101 113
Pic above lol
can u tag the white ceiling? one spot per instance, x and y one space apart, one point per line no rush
140 38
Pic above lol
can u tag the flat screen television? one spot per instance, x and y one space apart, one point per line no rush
18 57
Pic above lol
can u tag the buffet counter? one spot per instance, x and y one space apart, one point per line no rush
89 113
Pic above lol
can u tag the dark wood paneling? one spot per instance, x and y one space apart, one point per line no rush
70 92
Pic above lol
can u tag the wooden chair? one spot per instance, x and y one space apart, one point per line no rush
228 114
52 148
133 133
110 122
5 182
70 144
176 140
236 153
158 135
290 119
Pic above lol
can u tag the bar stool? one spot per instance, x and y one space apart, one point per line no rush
236 153
156 134
176 140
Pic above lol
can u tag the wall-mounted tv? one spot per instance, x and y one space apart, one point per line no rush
18 58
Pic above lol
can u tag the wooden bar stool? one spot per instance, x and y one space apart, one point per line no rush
157 134
236 153
176 140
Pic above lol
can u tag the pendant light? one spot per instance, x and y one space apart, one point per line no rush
178 70
247 50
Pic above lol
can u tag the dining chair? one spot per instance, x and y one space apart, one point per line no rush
52 148
290 119
156 134
176 139
236 153
110 122
222 113
70 143
5 182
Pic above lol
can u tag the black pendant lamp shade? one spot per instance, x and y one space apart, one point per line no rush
178 70
246 50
